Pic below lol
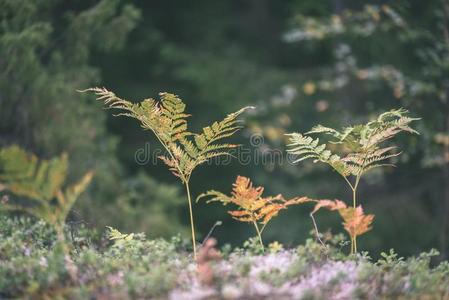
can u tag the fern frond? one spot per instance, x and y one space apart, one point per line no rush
218 131
40 182
168 121
213 154
215 196
171 164
112 101
355 222
374 166
119 239
24 175
347 131
326 130
174 117
251 206
306 147
189 147
103 95
364 141
378 158
67 199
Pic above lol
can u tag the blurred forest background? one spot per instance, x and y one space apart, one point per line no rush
300 62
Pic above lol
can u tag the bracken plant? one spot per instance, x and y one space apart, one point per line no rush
40 185
251 206
361 148
168 121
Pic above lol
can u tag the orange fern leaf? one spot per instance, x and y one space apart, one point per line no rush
244 194
252 207
329 204
355 222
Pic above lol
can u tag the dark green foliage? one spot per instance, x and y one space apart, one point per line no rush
149 206
49 48
48 59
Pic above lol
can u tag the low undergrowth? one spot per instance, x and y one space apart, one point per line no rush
129 266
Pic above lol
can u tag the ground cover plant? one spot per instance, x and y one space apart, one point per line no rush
119 265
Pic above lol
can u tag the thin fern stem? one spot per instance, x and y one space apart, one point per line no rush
191 219
63 251
186 182
354 205
61 243
354 199
348 182
317 233
259 234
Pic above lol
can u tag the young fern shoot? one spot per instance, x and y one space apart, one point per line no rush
168 121
362 147
252 207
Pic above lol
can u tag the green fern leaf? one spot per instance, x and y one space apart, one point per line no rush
364 141
306 147
168 121
40 182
